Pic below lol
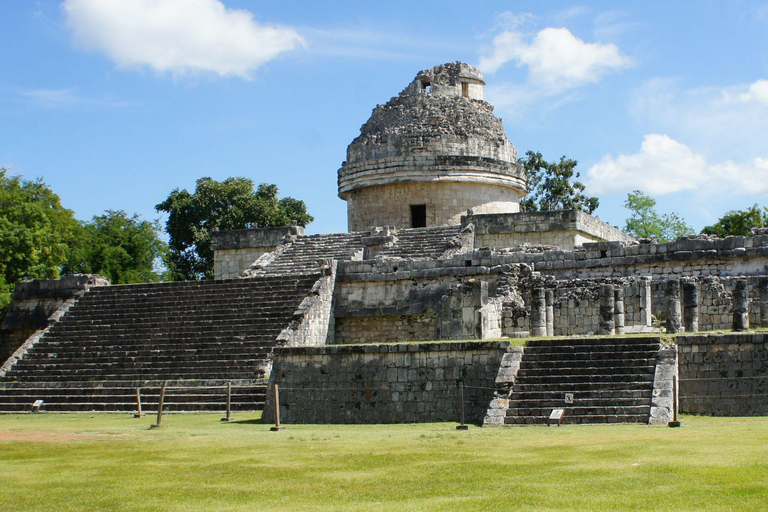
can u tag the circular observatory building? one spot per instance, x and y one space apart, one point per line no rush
429 155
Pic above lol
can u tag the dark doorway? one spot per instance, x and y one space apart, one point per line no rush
418 215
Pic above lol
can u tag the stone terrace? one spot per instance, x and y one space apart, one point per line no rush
196 334
302 253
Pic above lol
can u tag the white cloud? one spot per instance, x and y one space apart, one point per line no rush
664 165
555 58
178 36
721 122
758 92
67 98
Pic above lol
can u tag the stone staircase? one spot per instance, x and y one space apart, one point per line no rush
196 335
303 253
611 380
419 243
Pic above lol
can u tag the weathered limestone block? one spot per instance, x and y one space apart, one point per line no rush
550 301
618 309
690 305
662 403
673 310
740 306
763 294
538 312
607 305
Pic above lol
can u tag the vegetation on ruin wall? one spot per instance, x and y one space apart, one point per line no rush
554 186
229 204
196 462
739 222
645 222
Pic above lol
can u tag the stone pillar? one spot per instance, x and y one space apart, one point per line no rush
673 312
550 301
690 305
618 309
763 285
607 304
740 306
538 312
646 306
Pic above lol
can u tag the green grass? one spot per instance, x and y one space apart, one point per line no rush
115 462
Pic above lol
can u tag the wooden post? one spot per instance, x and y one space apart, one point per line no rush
277 411
462 426
675 422
229 403
139 413
160 406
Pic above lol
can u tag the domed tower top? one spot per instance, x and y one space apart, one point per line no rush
429 154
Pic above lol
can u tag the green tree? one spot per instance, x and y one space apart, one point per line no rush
122 248
35 232
645 222
739 222
554 186
229 204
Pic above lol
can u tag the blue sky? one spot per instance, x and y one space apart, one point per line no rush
116 103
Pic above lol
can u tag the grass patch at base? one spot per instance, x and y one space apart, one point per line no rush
197 462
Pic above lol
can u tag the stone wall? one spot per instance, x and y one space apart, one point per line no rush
33 303
724 374
563 229
385 328
235 250
715 301
396 383
313 321
446 202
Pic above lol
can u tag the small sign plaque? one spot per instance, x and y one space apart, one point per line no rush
557 415
569 398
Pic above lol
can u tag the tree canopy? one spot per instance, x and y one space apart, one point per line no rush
228 204
645 222
554 186
122 248
739 222
35 232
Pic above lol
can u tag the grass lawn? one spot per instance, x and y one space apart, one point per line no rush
115 462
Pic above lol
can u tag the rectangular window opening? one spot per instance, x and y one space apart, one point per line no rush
418 215
465 89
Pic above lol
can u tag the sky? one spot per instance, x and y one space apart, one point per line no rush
115 103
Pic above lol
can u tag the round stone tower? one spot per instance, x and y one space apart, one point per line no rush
430 154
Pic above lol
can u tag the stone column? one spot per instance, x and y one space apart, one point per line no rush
607 304
763 286
538 312
618 309
673 313
550 301
690 305
740 306
646 308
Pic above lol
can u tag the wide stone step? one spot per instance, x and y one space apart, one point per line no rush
589 394
536 363
583 371
554 351
578 420
560 403
593 379
564 386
